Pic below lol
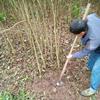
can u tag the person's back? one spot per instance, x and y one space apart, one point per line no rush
94 26
94 30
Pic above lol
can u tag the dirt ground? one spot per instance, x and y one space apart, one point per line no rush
46 88
15 70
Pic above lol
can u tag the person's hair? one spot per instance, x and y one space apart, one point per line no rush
96 6
77 26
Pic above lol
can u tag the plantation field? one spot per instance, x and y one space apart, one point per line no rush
34 42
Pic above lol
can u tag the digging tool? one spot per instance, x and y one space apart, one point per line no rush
59 83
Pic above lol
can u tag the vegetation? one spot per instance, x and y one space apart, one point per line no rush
22 95
31 32
36 15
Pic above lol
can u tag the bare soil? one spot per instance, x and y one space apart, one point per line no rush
46 89
16 72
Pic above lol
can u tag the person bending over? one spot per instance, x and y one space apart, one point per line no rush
89 30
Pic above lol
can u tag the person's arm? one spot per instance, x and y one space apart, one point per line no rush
81 53
90 46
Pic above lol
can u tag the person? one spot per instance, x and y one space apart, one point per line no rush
89 30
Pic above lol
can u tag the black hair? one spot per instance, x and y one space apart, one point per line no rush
77 26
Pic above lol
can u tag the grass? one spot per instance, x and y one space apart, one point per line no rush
2 17
22 95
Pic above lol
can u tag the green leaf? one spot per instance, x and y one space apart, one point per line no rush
2 17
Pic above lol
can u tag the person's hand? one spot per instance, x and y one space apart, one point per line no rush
69 56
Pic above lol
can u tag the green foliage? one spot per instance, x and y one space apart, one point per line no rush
75 9
13 3
22 95
2 17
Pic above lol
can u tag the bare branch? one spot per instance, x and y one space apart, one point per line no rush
8 29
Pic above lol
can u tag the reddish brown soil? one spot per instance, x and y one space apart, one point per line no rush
75 80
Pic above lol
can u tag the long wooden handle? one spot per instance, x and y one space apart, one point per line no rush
68 59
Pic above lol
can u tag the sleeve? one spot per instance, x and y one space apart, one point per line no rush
90 46
81 53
